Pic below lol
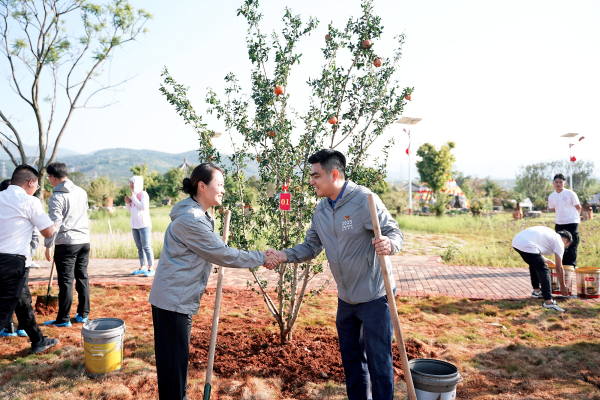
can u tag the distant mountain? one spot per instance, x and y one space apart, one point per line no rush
116 163
32 152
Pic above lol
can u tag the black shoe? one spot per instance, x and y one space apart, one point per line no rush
44 344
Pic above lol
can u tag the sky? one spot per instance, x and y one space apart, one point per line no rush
503 80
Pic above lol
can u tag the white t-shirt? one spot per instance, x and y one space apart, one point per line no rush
539 240
19 213
564 206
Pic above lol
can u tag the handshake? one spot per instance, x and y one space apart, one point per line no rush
274 258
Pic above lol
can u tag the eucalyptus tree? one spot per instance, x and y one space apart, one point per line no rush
352 104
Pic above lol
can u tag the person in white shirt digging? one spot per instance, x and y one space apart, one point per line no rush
531 244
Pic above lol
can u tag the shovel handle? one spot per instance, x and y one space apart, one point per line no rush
384 261
215 324
50 282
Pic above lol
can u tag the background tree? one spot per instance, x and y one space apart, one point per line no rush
435 166
99 188
534 181
51 46
350 107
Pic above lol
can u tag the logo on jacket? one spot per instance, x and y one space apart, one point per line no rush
347 224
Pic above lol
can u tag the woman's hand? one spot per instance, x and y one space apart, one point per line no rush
127 200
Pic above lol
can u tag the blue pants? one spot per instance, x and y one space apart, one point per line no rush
143 242
365 333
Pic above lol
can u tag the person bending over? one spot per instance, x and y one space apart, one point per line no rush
531 243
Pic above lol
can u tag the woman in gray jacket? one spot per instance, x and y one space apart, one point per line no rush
190 248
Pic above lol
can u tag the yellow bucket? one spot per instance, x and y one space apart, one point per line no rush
103 345
569 272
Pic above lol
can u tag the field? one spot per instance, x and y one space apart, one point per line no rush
529 354
486 241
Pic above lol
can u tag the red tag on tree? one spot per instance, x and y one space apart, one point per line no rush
285 200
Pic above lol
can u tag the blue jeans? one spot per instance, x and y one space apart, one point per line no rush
143 242
365 333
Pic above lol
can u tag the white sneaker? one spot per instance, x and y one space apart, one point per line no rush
553 306
34 265
537 294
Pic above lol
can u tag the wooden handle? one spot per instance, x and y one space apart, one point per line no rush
385 261
51 277
215 323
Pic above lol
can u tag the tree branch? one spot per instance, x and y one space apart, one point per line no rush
9 153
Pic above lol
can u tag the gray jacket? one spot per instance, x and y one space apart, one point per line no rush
346 233
67 208
190 248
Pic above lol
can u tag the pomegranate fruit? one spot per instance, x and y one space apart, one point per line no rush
333 120
366 44
278 90
377 62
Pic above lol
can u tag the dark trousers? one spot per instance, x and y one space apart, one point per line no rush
365 333
172 332
539 273
570 256
15 296
71 264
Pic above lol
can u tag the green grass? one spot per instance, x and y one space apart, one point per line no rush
119 221
488 240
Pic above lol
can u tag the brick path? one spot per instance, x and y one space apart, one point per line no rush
415 276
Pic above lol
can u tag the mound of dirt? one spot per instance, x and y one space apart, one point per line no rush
310 357
42 309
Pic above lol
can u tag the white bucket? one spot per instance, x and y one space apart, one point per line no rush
434 379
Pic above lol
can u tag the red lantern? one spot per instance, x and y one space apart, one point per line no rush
407 151
573 159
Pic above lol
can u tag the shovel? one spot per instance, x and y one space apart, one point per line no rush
215 324
385 261
47 299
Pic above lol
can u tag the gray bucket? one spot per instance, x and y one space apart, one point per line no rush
434 379
103 345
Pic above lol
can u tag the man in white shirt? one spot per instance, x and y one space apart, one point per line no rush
21 212
565 204
531 244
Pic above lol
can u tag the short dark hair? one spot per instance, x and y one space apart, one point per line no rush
4 185
58 170
202 173
329 159
559 176
23 174
566 235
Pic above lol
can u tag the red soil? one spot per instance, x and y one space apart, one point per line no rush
312 356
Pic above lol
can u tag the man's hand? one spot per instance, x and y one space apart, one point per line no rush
274 258
48 255
563 290
383 247
549 262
